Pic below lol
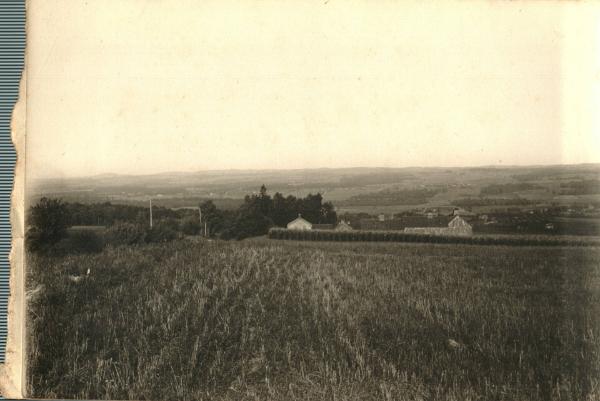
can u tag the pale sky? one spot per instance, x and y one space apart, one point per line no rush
145 86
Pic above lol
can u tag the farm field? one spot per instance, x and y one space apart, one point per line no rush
273 320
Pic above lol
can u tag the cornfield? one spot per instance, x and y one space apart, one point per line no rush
400 236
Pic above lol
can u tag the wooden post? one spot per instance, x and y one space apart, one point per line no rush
150 212
200 216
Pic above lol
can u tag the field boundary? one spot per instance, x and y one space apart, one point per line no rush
400 236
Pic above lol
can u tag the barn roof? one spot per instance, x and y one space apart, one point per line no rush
300 219
458 221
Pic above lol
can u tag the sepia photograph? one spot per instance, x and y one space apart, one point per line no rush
311 200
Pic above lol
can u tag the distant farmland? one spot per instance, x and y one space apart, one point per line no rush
346 321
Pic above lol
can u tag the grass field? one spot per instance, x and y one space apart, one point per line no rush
316 321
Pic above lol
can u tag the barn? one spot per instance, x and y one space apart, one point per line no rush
459 226
299 224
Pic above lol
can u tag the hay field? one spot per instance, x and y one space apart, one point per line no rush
272 320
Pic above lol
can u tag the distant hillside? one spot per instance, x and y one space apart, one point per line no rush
347 187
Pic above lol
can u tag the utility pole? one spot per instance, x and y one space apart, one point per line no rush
200 216
150 212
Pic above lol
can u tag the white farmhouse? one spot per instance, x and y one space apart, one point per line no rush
299 224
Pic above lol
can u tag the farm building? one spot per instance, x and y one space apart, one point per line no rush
460 226
463 213
299 224
343 226
443 210
457 226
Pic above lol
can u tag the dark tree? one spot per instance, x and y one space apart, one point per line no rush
284 209
254 216
213 217
309 207
190 225
265 203
48 221
328 214
250 223
258 203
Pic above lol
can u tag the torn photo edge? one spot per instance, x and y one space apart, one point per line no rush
12 139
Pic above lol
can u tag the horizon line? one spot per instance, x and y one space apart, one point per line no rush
166 172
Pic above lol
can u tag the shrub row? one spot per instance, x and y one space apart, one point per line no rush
400 236
121 233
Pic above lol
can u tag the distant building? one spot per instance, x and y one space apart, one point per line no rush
343 226
459 226
445 210
462 212
549 226
428 212
299 224
381 217
456 227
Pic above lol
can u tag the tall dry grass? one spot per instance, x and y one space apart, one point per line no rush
312 321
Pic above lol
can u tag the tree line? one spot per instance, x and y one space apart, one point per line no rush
260 211
49 221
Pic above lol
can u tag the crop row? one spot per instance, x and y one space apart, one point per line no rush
400 236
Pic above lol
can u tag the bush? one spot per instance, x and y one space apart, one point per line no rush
48 221
35 240
80 242
125 234
161 232
190 226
